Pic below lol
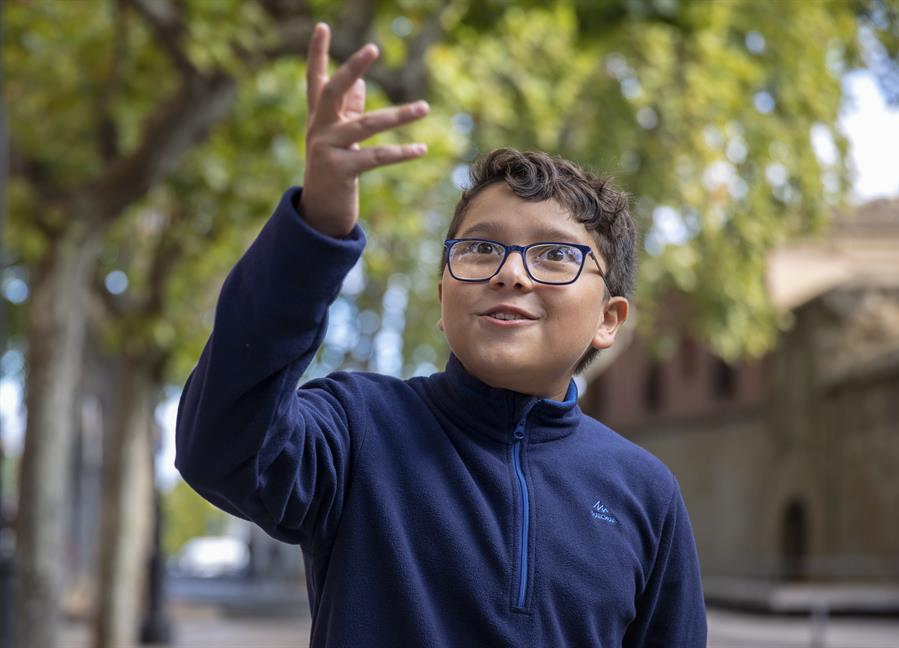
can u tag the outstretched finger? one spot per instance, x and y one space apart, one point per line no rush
364 126
317 64
330 100
376 156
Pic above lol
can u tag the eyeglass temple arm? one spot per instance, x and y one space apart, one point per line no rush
598 267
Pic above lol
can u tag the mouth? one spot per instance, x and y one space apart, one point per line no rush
506 313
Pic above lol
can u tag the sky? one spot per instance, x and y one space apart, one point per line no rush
873 131
871 126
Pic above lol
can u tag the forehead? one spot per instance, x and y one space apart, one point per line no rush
497 213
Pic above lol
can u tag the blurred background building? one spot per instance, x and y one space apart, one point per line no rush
788 463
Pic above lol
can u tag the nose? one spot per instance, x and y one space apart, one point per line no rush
512 272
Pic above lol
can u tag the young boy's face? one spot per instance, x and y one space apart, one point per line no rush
537 355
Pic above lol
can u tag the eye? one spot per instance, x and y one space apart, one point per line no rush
481 248
558 254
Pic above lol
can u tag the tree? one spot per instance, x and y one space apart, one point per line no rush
704 111
145 90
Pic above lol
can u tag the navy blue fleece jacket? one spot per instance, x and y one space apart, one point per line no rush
435 511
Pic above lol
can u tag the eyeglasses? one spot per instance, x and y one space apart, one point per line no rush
556 264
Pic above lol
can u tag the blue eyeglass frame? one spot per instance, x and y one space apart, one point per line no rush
586 251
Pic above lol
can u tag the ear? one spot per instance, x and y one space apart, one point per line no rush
440 300
613 316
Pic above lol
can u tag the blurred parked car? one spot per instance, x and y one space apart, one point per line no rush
213 556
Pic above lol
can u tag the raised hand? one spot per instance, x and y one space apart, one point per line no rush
336 124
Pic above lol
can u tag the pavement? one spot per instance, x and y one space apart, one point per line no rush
863 599
728 629
198 626
230 613
224 613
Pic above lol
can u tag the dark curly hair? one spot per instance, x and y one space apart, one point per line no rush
591 200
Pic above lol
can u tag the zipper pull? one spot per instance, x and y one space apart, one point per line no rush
519 431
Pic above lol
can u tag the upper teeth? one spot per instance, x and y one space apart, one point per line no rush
506 316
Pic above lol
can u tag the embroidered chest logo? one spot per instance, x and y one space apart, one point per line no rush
601 512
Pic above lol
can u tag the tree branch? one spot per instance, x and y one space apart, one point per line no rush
353 26
168 252
101 306
107 132
411 81
38 174
33 170
172 129
167 24
350 32
284 9
175 127
204 98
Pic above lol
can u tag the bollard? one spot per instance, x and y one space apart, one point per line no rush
818 625
6 568
156 628
6 585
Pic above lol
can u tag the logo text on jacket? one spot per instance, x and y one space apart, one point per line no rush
601 512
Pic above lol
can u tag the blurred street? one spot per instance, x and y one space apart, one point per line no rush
739 630
226 613
230 613
202 626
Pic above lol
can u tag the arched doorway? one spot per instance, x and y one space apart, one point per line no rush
793 542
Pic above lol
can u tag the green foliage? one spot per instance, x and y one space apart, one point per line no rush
187 515
698 113
702 110
205 215
879 20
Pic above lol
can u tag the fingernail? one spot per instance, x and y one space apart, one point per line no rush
420 108
373 48
419 149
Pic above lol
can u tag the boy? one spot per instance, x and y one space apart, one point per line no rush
474 507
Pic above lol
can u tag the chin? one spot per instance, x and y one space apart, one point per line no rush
497 370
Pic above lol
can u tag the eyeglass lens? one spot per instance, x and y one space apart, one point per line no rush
548 262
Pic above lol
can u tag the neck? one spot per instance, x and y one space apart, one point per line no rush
552 389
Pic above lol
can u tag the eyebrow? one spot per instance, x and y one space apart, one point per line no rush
494 228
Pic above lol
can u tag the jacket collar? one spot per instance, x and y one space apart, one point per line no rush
495 412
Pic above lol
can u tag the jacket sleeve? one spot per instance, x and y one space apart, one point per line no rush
671 608
246 438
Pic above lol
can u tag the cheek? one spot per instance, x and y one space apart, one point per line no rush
576 317
452 309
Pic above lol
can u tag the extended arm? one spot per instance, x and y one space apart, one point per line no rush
247 439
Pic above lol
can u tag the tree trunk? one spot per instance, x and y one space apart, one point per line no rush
126 515
56 330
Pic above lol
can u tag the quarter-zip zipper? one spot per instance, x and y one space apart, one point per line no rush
517 459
